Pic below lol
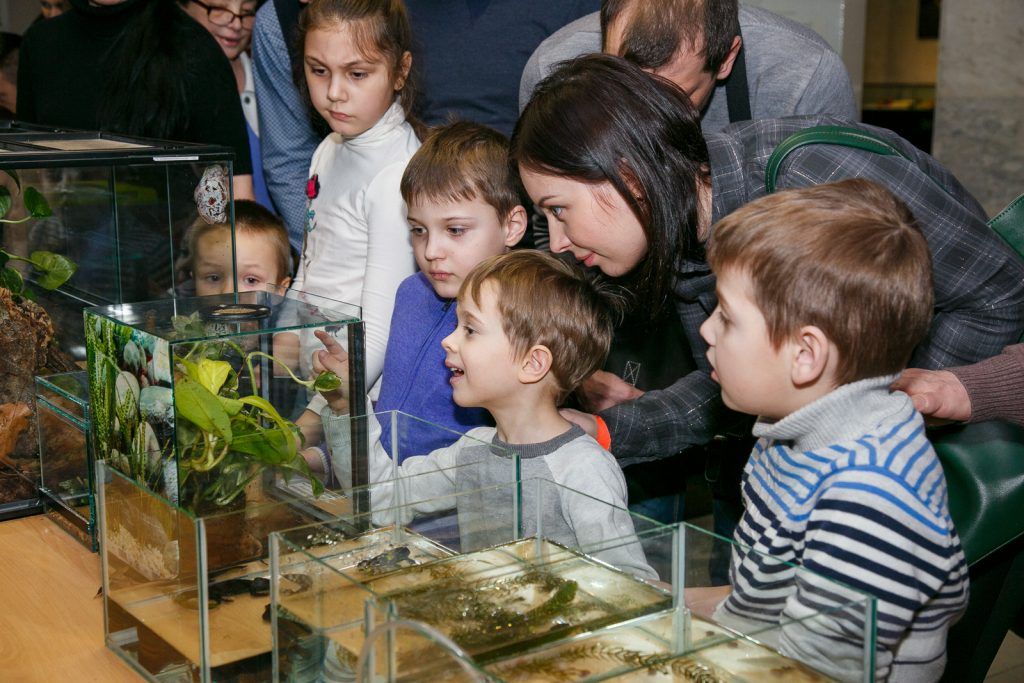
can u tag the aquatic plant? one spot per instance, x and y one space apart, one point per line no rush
567 664
53 269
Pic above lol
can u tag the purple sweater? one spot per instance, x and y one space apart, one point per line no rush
415 379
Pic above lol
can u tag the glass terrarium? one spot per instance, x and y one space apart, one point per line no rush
208 401
86 219
519 603
65 466
187 596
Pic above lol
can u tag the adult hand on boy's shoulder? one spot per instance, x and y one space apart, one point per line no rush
937 394
604 390
586 421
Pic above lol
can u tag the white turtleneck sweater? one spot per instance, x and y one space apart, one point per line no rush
357 247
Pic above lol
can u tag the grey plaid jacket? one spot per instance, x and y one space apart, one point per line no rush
979 280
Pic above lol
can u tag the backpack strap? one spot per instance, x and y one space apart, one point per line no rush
288 17
1009 223
826 135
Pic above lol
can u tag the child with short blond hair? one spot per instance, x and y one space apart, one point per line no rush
823 293
262 254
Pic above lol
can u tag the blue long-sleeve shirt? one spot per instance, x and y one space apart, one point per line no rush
415 379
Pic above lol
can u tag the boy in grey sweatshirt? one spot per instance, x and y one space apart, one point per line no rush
530 329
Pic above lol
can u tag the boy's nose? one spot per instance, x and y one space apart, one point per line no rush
448 343
432 250
705 331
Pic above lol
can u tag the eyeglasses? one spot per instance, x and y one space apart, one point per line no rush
222 16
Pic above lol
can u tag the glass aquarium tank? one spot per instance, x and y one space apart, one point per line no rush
185 602
67 480
86 219
387 601
208 401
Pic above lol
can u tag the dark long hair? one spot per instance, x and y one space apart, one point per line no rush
599 118
146 92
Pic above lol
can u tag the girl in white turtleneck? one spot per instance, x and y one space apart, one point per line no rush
357 250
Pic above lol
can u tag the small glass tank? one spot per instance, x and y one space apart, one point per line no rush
86 219
187 597
397 603
198 399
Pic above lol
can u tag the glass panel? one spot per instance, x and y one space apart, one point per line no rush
62 407
151 583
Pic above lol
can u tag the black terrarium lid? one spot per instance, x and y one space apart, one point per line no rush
27 145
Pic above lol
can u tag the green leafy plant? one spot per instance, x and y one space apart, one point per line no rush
54 269
227 437
225 433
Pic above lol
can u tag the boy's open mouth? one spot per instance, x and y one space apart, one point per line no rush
456 372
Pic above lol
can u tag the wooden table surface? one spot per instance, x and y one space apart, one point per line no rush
51 621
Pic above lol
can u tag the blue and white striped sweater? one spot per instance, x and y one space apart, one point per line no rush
849 488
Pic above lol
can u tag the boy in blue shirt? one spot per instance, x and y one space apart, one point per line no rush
823 293
463 207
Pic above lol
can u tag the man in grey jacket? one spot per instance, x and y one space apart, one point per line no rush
736 62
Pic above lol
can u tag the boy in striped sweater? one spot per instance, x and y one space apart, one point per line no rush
823 292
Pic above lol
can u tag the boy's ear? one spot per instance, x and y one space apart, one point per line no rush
812 356
515 226
285 283
403 70
535 364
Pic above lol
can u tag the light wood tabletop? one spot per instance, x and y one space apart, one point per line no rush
51 620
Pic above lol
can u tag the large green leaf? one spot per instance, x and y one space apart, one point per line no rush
56 269
12 280
212 374
200 407
291 446
36 204
326 381
5 201
269 446
231 405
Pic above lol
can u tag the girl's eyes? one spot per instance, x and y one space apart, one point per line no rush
359 75
317 70
556 211
721 317
417 230
456 230
469 330
212 277
252 280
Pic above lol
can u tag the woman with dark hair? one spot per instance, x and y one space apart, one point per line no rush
617 161
135 67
